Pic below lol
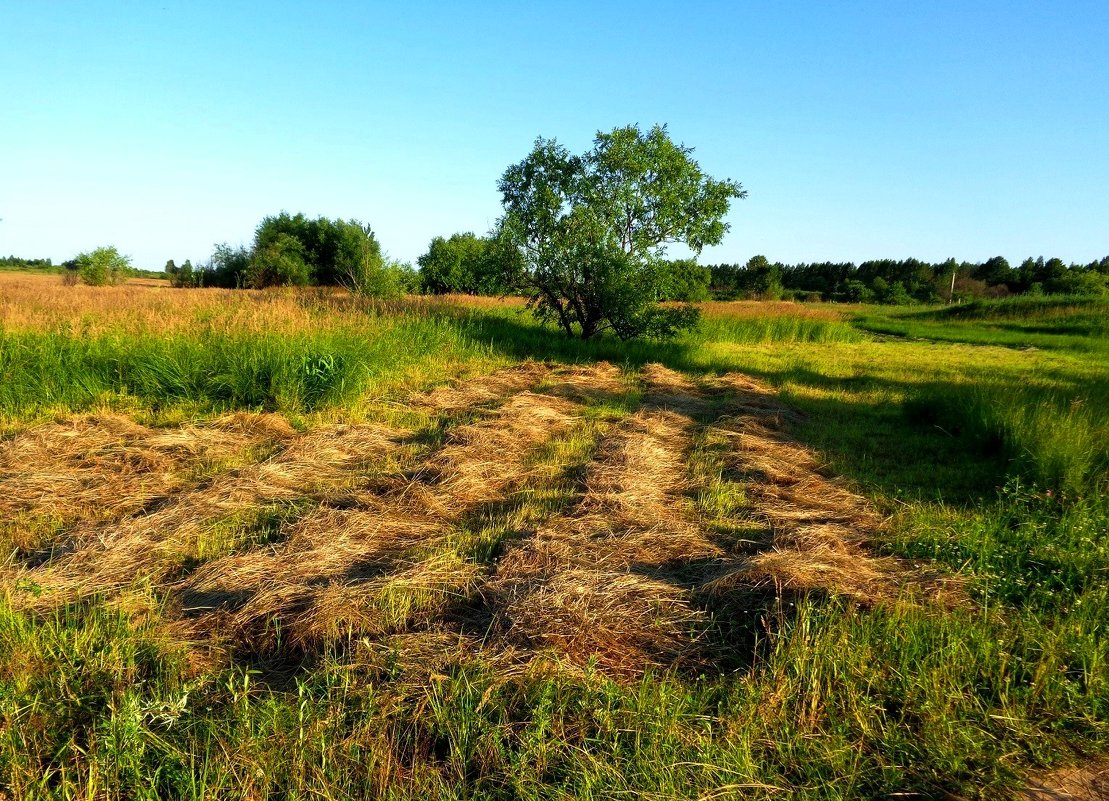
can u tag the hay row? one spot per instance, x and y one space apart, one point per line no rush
102 558
619 581
586 586
819 527
104 467
382 565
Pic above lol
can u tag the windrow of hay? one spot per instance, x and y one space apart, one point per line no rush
104 467
597 585
596 382
381 564
101 558
355 528
818 526
483 390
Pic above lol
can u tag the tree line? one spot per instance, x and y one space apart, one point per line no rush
584 237
905 281
19 263
295 250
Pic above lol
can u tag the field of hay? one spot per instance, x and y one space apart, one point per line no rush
294 544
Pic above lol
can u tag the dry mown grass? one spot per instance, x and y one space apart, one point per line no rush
355 530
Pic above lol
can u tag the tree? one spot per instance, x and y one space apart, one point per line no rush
685 280
465 263
103 266
228 268
592 230
451 265
278 262
763 279
183 277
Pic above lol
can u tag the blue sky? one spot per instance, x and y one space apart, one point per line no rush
860 129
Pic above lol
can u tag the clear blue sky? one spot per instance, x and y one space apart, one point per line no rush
860 129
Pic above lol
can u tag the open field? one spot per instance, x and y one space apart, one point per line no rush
278 544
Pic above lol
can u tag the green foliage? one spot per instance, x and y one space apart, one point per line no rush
293 250
466 264
278 261
592 229
900 283
103 267
684 280
386 279
183 277
14 262
764 278
229 267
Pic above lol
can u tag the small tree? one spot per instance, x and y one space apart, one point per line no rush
467 264
592 229
103 266
763 279
280 262
685 280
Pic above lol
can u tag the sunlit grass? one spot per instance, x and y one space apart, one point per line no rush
990 459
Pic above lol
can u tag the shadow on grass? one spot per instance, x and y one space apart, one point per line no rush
929 447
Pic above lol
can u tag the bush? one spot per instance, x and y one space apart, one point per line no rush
103 266
278 263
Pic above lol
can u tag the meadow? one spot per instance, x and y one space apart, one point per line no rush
293 544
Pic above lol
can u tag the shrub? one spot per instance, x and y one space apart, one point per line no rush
103 266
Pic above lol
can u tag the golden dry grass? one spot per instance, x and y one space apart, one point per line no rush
767 308
40 302
1083 783
357 522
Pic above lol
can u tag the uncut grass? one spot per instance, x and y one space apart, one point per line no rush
175 354
1053 322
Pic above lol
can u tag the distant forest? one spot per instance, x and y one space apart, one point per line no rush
17 263
903 282
464 264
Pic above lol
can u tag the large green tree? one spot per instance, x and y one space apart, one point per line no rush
592 230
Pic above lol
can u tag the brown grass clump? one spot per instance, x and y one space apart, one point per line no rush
154 545
586 383
669 389
483 390
481 459
624 622
104 466
1084 783
819 527
581 585
96 468
383 563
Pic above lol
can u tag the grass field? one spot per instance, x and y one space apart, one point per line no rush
296 545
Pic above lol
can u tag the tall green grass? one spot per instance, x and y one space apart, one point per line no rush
773 328
1078 324
1056 441
212 370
